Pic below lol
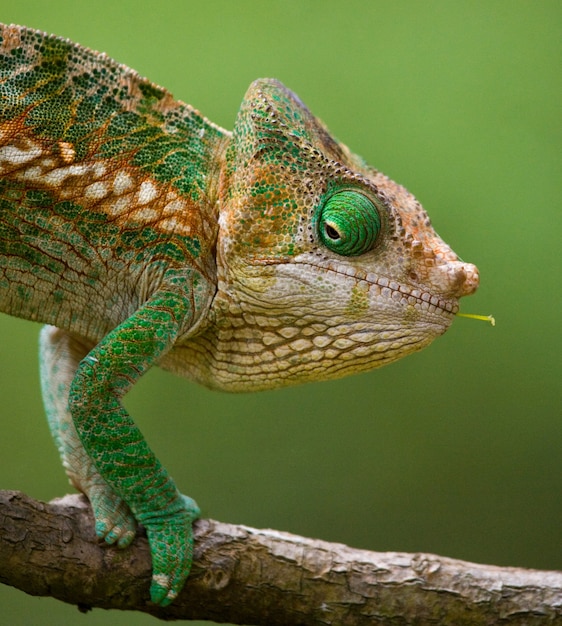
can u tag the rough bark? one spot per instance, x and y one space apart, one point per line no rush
246 576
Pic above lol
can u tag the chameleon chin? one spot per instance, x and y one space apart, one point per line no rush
141 234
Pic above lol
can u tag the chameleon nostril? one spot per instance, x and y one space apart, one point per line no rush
466 279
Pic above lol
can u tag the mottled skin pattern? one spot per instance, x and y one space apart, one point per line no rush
143 234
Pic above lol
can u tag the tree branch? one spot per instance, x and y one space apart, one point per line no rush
247 576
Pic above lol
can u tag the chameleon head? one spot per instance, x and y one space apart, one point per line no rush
326 267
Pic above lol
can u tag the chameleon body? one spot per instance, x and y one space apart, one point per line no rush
140 233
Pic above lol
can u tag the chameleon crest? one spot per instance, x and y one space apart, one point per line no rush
142 234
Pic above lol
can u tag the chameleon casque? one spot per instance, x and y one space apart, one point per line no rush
140 233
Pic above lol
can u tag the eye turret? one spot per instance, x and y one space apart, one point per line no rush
349 223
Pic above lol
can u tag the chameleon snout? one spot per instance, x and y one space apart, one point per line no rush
463 279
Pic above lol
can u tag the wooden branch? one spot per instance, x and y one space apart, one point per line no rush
247 576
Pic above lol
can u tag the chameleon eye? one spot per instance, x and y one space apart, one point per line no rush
349 223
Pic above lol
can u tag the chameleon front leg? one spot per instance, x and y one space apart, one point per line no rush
116 446
59 356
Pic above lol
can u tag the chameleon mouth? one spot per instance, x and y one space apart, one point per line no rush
422 299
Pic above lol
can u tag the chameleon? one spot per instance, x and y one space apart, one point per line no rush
139 233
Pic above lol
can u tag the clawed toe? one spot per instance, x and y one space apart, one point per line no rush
115 523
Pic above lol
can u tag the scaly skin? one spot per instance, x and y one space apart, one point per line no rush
143 234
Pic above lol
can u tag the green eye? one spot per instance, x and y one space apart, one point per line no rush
349 223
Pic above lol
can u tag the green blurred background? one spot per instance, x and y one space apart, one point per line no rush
455 450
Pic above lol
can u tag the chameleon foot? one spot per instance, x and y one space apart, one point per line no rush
115 523
171 545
